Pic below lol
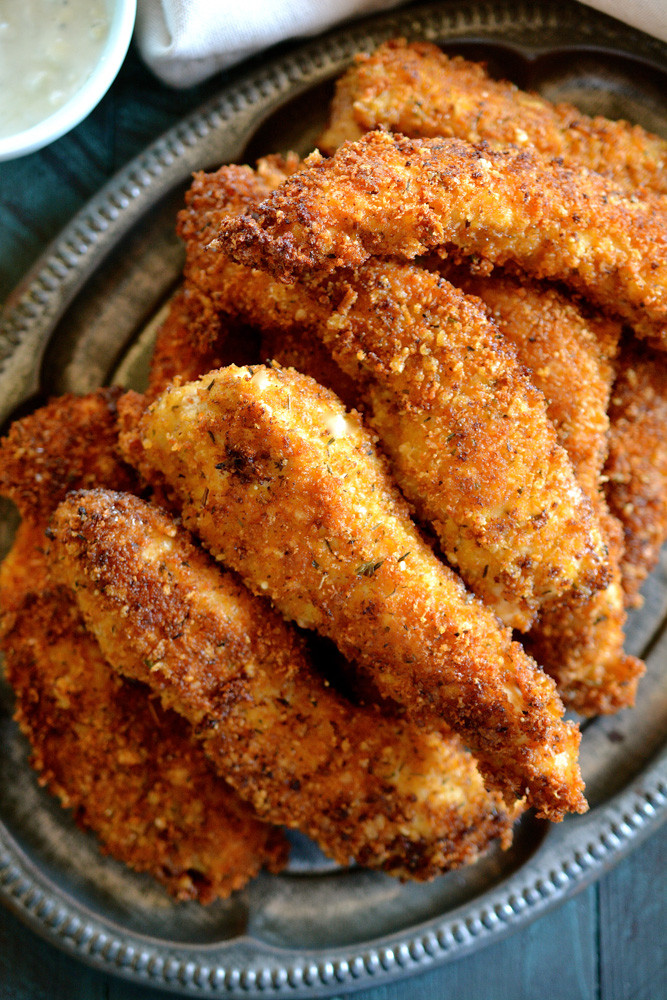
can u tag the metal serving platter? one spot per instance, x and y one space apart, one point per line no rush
85 316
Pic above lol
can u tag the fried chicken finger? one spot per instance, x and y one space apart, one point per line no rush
636 469
468 437
430 368
569 353
131 772
578 640
417 90
392 196
70 443
284 486
364 787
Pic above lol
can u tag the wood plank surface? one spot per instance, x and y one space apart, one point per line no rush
632 913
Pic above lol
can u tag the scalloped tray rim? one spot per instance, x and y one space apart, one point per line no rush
573 854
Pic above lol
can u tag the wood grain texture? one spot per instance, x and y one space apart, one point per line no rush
633 925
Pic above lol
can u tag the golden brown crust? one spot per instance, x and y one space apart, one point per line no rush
131 772
323 545
193 339
373 789
195 336
419 91
636 469
580 644
181 351
392 196
297 346
71 443
430 368
287 488
468 437
22 570
234 290
223 194
578 641
569 355
129 769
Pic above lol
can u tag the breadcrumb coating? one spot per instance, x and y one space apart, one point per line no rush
570 355
178 714
131 772
194 338
368 788
129 769
467 435
287 488
389 195
297 346
579 641
636 469
417 90
196 335
180 351
225 193
70 443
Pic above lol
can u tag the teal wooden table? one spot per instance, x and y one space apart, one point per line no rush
606 943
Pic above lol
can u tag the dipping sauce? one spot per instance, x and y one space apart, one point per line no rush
48 49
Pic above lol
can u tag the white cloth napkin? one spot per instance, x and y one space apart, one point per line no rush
647 15
186 41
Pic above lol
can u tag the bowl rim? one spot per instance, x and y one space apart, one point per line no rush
90 93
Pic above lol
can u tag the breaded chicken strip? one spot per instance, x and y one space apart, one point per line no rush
393 196
284 486
636 469
193 339
235 291
187 343
215 197
369 788
579 642
468 437
430 369
298 346
419 91
131 772
70 443
569 353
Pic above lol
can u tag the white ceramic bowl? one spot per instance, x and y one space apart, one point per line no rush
122 14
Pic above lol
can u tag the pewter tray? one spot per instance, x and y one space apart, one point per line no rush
84 316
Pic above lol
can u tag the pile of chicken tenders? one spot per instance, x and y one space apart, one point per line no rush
399 470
